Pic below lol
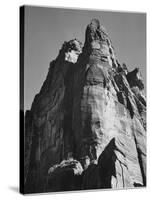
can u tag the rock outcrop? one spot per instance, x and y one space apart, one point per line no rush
87 126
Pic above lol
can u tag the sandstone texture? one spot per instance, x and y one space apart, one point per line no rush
87 126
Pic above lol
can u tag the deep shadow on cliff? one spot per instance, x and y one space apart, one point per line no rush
87 126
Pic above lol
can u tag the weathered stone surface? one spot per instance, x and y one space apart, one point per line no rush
65 176
88 122
72 50
119 165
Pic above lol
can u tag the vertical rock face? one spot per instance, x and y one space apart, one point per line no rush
87 126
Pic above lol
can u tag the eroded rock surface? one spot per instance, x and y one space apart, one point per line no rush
65 176
87 126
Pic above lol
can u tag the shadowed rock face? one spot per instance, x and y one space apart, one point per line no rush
86 127
65 176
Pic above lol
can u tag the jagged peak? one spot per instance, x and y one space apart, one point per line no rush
73 44
71 50
134 78
95 31
94 24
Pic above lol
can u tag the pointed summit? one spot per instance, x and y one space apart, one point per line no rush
98 42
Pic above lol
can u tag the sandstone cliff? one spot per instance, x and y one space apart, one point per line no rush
87 126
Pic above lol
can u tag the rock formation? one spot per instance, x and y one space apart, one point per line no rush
87 126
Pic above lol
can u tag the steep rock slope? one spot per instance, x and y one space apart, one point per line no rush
87 126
